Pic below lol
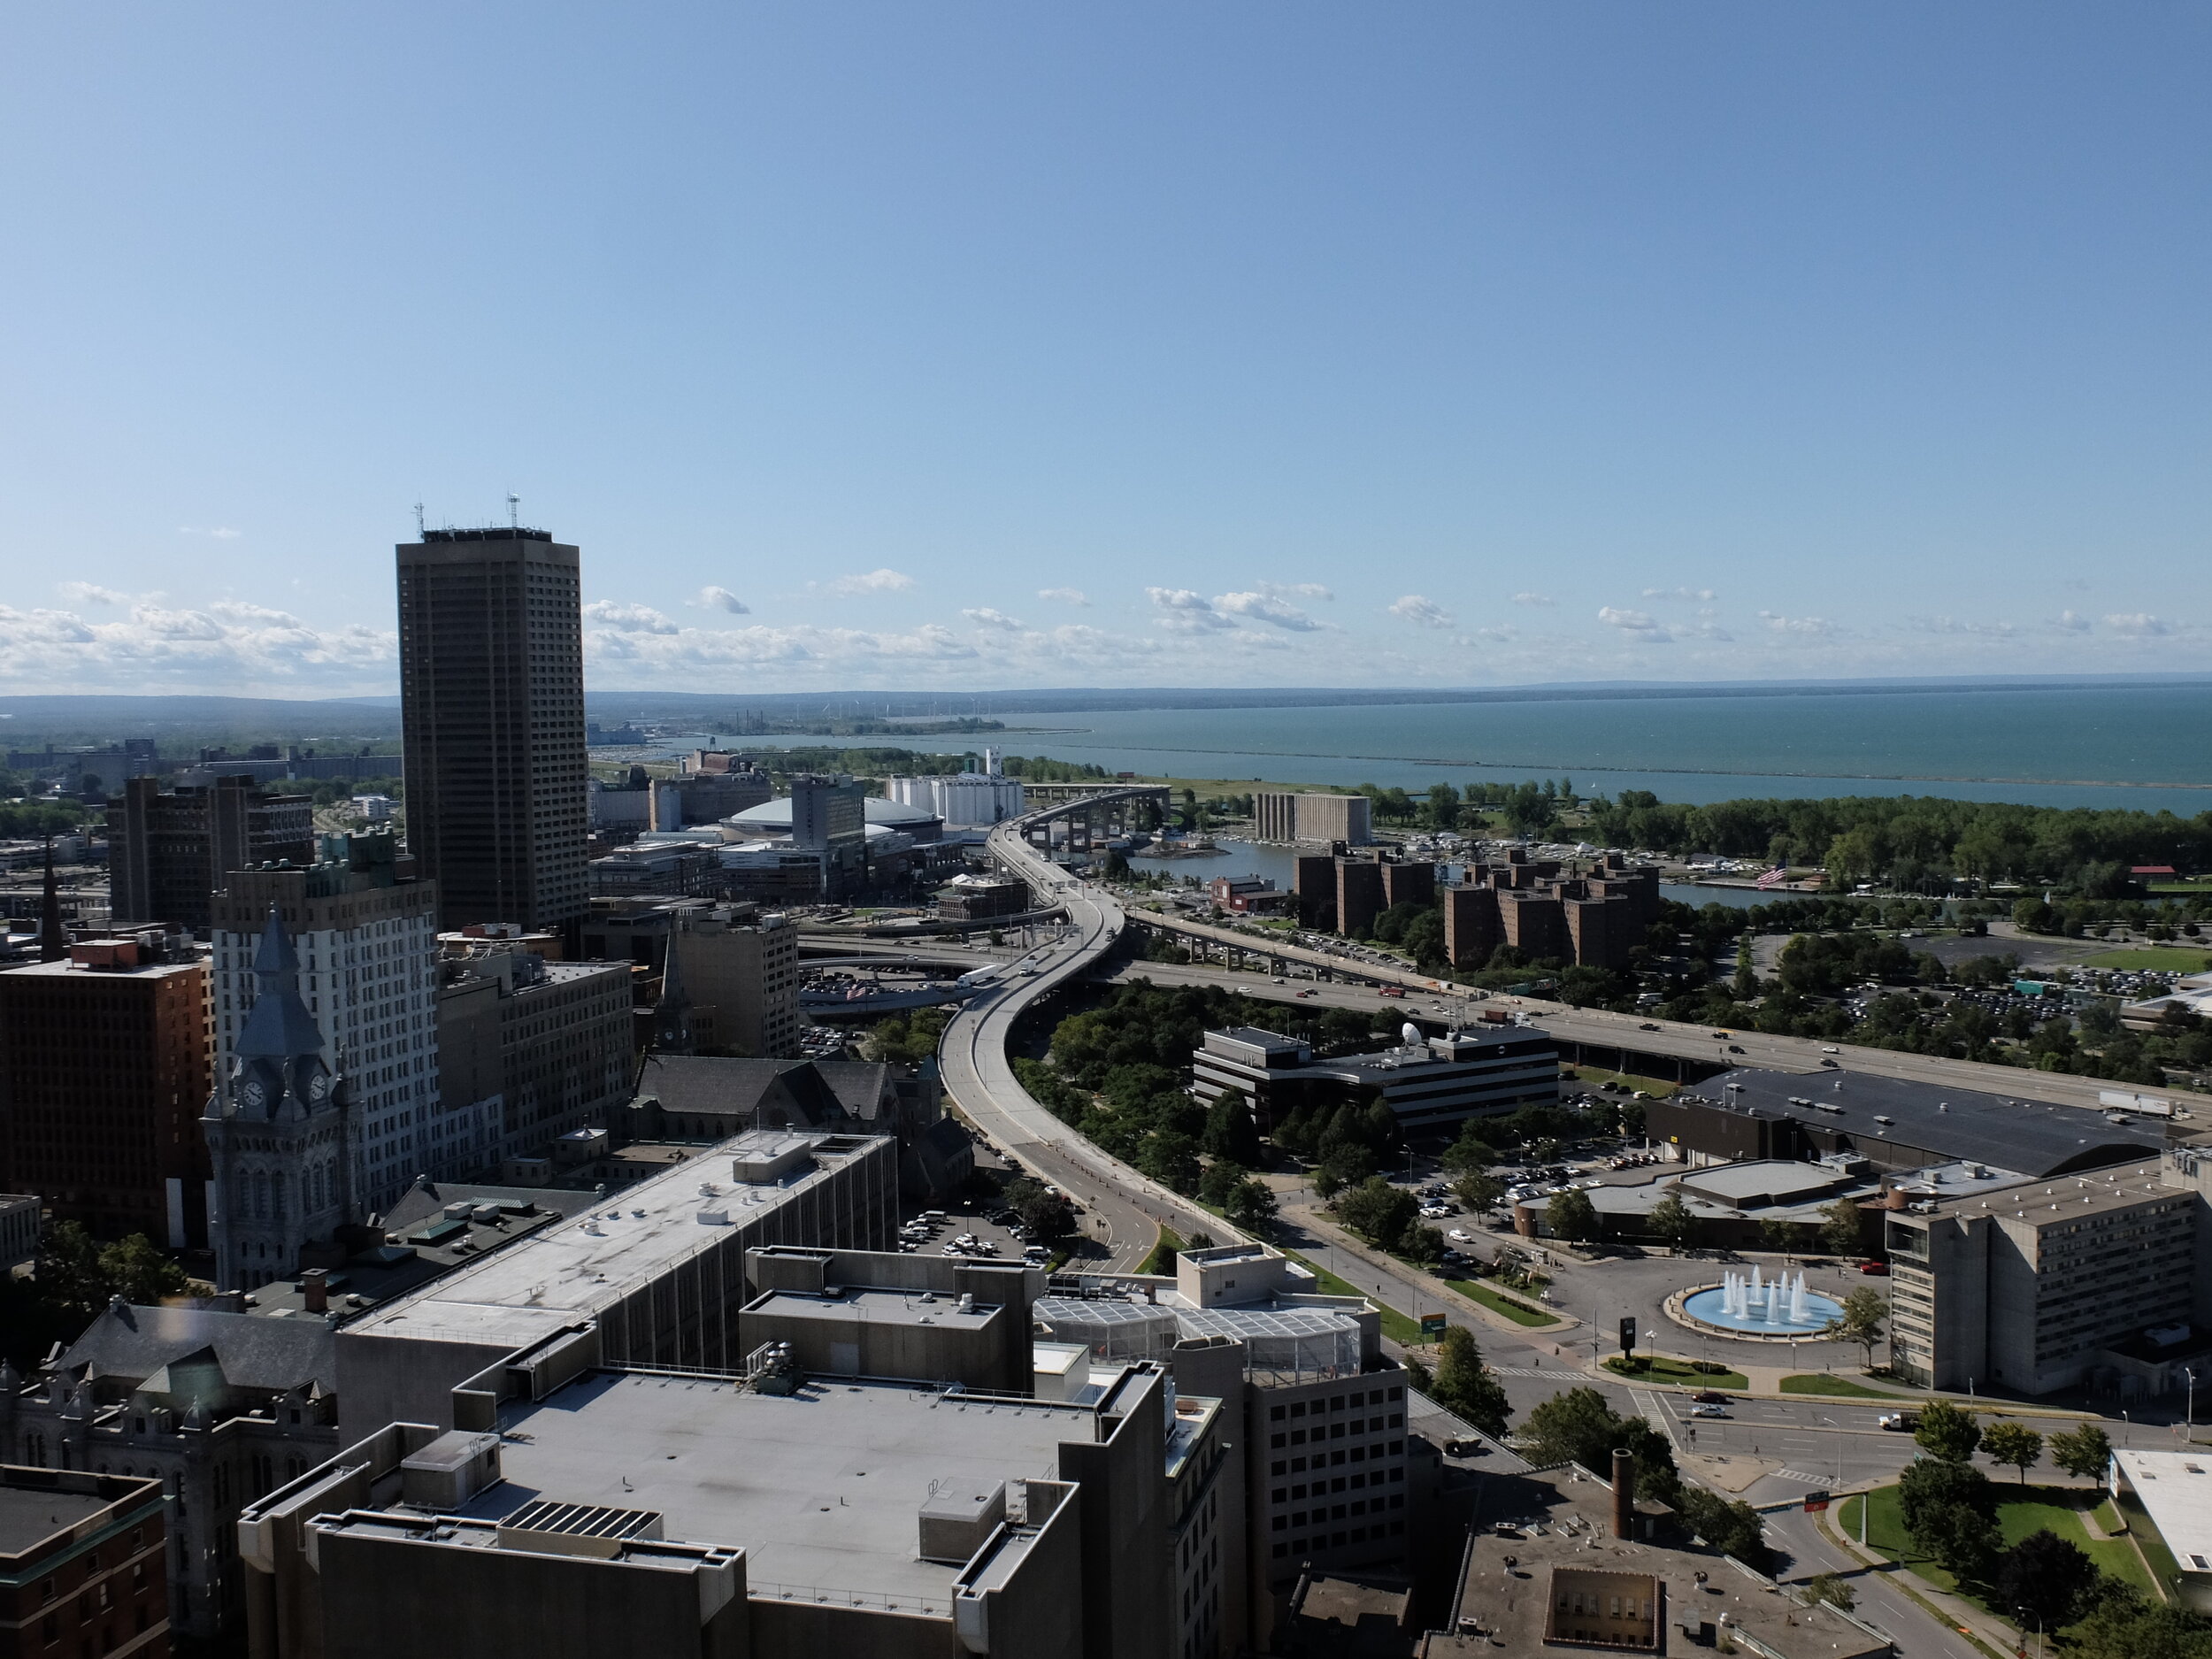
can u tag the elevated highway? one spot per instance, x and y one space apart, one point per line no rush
1123 1208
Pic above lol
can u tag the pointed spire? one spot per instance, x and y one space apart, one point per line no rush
53 939
278 1026
275 958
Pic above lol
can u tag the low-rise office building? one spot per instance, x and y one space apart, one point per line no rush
528 1049
80 1565
659 1269
774 1515
2166 1499
1431 1083
1562 1559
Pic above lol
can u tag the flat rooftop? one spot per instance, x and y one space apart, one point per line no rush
29 1515
823 1488
2176 1488
571 1271
2032 1136
2069 1197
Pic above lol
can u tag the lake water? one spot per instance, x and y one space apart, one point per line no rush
2137 747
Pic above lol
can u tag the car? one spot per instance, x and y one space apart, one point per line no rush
1713 1397
1708 1412
1310 991
1735 1047
1829 1047
1902 1422
1648 1025
1723 1035
1878 1270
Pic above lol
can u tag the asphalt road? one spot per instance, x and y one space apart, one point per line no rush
1593 1026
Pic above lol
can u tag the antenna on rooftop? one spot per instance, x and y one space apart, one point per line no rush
514 511
418 521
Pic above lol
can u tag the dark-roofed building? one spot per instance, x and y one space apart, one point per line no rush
81 1553
1893 1122
219 1407
708 1098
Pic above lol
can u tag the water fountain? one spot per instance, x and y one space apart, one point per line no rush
1755 1305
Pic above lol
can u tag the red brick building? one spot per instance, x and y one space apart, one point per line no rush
82 1565
107 1063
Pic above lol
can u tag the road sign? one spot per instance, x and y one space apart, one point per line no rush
1432 1325
1815 1500
1628 1336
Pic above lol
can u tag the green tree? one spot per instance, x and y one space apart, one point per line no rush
1947 1432
1842 1227
1470 1155
1830 1588
1229 1132
1251 1205
1578 1426
1044 1212
1571 1216
2126 1625
2014 1445
1673 1222
1220 1179
2050 1580
2084 1452
1778 1235
1861 1320
1733 1529
1465 1386
1949 1511
1378 1211
1481 1193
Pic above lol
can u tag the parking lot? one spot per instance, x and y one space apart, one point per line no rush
968 1229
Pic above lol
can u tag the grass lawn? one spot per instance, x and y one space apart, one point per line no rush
1162 1260
2020 1512
1658 1368
1520 1312
1595 1075
1821 1383
2159 959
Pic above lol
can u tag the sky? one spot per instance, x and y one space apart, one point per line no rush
984 345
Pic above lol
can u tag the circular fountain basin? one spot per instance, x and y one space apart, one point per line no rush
1710 1306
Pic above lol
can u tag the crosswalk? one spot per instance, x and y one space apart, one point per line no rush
1815 1481
1539 1372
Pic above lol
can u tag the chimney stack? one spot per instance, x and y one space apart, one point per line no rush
1623 1495
316 1294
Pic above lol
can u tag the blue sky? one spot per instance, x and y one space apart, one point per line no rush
979 345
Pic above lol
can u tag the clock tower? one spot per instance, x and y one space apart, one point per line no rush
275 1130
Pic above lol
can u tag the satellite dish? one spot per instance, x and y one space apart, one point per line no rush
1410 1035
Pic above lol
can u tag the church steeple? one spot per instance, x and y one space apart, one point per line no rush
671 1014
53 939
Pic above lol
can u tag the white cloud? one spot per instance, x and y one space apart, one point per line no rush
1422 613
1636 624
1686 595
1265 608
91 593
2072 622
229 646
878 581
1953 625
1185 611
1504 635
712 598
1805 627
222 532
2139 625
1295 590
627 618
984 617
1065 596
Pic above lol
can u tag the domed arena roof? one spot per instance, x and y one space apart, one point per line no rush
771 818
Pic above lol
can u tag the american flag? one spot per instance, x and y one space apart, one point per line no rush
1779 872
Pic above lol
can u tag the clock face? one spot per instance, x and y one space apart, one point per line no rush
318 1086
253 1094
